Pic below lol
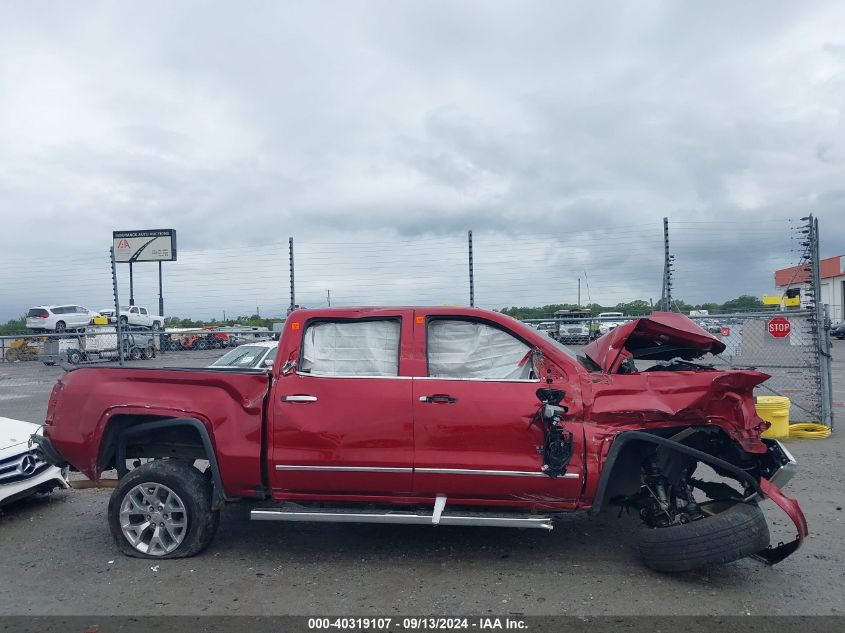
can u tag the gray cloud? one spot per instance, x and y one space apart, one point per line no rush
378 133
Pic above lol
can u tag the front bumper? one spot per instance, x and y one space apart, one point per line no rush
783 468
48 479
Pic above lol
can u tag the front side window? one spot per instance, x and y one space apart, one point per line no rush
351 348
143 310
471 349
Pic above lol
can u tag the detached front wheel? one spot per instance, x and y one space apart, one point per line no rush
162 510
728 531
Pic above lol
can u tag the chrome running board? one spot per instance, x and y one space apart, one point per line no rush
293 512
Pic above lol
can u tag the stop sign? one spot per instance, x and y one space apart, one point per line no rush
779 327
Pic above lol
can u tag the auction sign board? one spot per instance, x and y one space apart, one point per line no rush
145 246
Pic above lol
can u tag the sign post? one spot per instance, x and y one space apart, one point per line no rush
779 327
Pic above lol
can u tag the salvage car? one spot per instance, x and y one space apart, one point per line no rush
23 472
250 355
436 416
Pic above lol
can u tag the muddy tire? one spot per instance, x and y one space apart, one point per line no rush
183 511
734 532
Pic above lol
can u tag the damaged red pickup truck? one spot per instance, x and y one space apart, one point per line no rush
437 416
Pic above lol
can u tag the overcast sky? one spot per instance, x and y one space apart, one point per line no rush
378 133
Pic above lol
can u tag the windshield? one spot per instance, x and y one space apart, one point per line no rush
243 356
583 360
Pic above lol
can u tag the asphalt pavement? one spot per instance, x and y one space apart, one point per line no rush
58 558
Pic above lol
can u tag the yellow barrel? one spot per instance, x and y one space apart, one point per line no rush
775 411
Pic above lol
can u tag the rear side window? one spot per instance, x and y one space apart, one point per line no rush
471 349
37 312
351 348
63 310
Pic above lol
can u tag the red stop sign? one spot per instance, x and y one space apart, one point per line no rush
779 327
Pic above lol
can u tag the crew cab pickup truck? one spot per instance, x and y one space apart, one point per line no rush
437 416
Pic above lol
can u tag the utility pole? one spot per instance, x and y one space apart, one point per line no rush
131 287
579 291
329 297
471 272
292 286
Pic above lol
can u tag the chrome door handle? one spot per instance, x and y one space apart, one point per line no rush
299 398
439 398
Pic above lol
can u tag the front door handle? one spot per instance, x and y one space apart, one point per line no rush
439 398
299 398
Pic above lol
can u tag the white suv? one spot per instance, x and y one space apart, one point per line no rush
59 318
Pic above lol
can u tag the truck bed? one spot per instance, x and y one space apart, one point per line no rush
229 402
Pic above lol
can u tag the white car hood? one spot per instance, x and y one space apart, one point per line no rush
14 432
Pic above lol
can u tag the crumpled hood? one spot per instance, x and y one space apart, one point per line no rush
660 336
14 432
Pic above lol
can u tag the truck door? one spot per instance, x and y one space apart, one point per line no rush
473 415
342 419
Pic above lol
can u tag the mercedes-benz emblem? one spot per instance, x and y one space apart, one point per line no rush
28 464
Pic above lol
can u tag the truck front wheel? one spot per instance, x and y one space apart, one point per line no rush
727 532
162 510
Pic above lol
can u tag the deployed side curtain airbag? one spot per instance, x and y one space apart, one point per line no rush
355 348
467 349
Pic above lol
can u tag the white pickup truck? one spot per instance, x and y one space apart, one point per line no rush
137 316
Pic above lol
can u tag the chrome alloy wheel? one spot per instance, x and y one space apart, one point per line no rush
153 519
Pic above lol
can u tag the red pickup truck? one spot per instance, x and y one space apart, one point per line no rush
437 416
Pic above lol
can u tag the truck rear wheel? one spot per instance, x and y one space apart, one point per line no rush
730 531
162 510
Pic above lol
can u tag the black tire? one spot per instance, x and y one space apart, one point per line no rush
192 488
135 353
156 326
148 353
61 326
201 344
174 346
74 356
124 320
735 531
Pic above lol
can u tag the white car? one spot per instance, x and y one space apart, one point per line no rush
22 471
250 356
59 318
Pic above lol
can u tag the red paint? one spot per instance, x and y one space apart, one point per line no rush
381 422
779 327
726 331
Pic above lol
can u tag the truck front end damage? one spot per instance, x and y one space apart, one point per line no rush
680 444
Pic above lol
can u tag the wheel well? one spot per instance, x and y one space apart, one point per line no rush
179 441
621 474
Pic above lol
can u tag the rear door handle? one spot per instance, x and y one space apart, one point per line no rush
299 398
439 398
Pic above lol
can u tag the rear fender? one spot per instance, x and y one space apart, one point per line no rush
145 427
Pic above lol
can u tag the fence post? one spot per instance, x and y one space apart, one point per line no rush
821 334
116 309
666 293
471 272
292 285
